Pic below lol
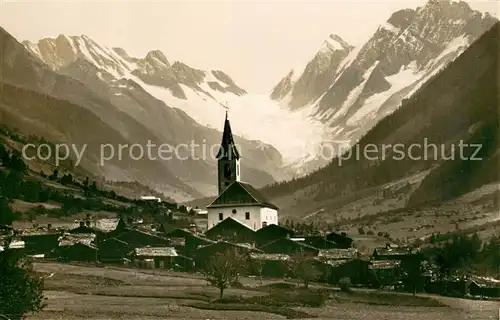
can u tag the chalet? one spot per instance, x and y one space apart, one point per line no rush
290 247
270 265
231 230
140 238
205 253
86 228
385 272
40 242
14 245
270 233
484 287
113 250
162 257
79 251
392 253
237 199
187 242
69 239
338 254
356 270
340 238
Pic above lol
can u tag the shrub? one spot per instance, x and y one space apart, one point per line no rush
345 284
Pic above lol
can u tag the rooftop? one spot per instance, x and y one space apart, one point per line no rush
156 252
384 264
350 253
243 194
270 256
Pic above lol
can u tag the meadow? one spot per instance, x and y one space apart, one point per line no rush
89 292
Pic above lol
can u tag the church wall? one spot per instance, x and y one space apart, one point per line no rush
269 215
255 215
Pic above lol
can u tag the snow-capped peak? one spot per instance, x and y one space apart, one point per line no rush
334 43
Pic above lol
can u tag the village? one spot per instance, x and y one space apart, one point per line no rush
242 221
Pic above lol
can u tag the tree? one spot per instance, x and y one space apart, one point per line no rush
21 291
304 268
4 156
223 269
67 179
7 216
16 163
414 268
55 175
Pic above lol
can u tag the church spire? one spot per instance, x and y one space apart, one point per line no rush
227 149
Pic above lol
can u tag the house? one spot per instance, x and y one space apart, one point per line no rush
162 257
484 287
122 226
113 250
231 230
340 238
187 241
85 227
80 251
270 233
150 198
237 199
384 272
14 245
392 253
40 242
204 253
142 238
290 247
356 270
269 265
338 254
68 239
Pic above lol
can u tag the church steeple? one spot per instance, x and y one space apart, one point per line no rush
227 147
228 159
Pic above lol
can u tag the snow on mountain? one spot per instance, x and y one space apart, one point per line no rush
201 94
357 87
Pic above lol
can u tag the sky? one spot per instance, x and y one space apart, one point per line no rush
255 42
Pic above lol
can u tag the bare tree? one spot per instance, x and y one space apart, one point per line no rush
223 269
304 268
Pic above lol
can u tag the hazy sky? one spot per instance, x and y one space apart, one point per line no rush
255 42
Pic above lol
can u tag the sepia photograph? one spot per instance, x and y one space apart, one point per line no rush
249 159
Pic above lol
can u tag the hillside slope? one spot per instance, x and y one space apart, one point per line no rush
458 104
351 89
132 113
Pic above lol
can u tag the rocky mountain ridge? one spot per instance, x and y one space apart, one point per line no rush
352 89
104 88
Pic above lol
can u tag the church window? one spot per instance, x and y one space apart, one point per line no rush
234 211
247 215
221 216
264 224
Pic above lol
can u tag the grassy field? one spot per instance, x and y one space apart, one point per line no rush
87 292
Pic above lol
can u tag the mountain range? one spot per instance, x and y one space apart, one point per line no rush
437 187
75 91
350 89
451 98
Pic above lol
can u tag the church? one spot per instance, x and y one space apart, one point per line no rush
237 200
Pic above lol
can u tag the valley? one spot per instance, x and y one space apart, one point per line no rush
140 185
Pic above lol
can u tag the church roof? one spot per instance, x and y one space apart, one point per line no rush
241 194
227 149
